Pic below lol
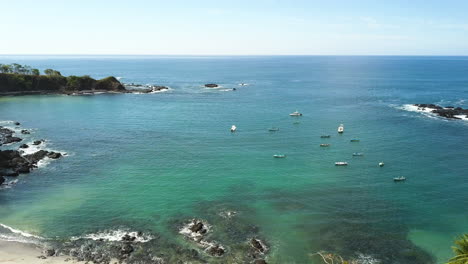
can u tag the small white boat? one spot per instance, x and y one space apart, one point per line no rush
357 154
341 163
273 129
296 113
325 136
341 128
279 156
243 84
381 164
324 145
233 128
401 178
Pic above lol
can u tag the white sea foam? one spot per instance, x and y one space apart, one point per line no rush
8 184
116 235
366 259
8 233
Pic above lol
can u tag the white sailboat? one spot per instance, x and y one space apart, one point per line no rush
233 128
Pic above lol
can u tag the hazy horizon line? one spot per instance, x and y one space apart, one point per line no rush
246 55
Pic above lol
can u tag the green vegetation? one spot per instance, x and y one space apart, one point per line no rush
18 69
50 72
460 251
19 79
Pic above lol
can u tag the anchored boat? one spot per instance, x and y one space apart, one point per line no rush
296 113
341 128
279 156
325 136
381 164
324 145
233 128
401 178
358 154
273 129
354 140
341 163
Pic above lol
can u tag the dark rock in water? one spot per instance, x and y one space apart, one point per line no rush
36 157
49 252
257 245
260 261
211 85
17 123
9 173
11 162
54 155
38 142
196 227
11 139
126 250
2 180
24 131
127 237
447 112
24 146
24 169
215 250
234 89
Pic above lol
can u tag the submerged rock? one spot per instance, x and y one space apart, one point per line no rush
215 250
38 142
54 155
196 227
257 245
24 146
17 123
11 139
24 131
2 180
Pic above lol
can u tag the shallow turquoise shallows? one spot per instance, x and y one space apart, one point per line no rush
151 161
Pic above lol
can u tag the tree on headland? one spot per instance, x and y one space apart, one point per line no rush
460 251
51 72
35 72
16 68
5 68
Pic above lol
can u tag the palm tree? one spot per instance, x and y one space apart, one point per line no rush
460 250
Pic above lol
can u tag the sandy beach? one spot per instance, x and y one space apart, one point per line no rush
14 252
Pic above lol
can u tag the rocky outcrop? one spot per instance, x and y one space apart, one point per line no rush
12 163
2 180
447 112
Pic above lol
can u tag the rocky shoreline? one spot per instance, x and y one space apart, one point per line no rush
15 162
449 112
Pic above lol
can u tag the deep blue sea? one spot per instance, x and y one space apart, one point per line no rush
150 162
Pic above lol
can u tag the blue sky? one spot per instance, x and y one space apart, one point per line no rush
237 27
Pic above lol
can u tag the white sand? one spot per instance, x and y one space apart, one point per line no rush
14 252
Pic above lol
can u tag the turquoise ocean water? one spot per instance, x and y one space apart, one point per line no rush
150 162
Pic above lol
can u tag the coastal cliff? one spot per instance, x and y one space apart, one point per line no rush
20 84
